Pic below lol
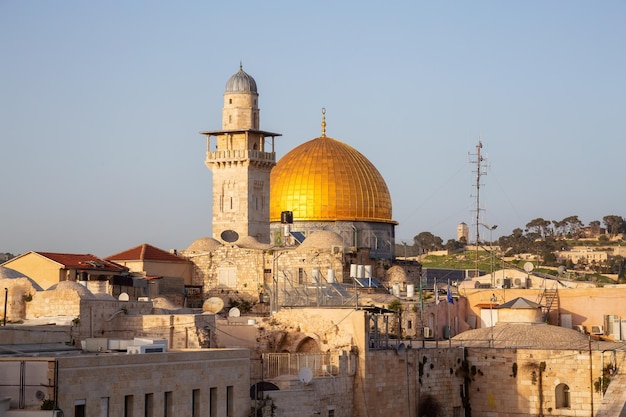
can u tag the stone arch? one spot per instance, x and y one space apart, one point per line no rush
308 345
561 396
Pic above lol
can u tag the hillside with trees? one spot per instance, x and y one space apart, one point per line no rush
540 238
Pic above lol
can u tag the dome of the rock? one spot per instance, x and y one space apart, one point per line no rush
327 180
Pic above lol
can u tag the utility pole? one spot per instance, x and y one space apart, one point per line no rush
479 161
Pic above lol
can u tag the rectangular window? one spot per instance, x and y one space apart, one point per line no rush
457 411
79 408
104 407
301 276
148 405
128 406
230 406
168 404
331 412
213 402
195 403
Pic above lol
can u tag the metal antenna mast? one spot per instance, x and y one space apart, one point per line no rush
480 171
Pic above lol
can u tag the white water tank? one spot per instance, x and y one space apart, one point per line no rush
396 290
367 270
353 270
330 277
410 290
360 271
315 274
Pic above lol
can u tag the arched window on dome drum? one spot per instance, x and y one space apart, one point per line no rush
561 394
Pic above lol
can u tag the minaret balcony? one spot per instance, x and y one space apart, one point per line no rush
240 155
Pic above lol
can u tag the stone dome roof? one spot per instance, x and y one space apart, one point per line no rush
524 335
204 244
71 287
321 239
241 82
327 180
396 274
250 242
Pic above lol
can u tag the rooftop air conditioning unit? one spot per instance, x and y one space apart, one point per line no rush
597 330
428 332
139 349
579 328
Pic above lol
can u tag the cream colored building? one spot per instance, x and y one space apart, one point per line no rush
208 382
584 254
48 269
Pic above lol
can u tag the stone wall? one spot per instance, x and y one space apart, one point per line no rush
135 379
523 382
231 272
17 292
391 383
125 320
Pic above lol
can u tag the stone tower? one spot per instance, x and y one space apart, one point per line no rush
240 161
462 231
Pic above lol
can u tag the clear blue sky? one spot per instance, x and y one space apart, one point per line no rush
101 104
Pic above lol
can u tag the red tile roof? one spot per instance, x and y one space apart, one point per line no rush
145 252
82 261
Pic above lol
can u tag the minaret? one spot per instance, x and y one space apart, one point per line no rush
241 163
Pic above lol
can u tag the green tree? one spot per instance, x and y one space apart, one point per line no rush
595 227
572 226
540 226
428 242
614 224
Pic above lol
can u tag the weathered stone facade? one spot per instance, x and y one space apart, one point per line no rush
203 382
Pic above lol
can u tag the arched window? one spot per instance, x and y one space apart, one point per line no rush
561 394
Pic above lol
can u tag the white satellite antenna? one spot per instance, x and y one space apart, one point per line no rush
123 297
213 305
560 270
305 375
234 312
528 267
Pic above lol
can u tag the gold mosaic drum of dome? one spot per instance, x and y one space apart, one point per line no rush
327 180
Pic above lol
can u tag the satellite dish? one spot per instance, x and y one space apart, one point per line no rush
123 297
560 269
40 395
400 349
213 305
229 236
305 375
528 267
234 312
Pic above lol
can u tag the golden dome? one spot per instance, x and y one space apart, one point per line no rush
327 180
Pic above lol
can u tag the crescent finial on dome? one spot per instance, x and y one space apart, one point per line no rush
323 122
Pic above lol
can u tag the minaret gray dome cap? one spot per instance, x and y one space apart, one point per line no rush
241 82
